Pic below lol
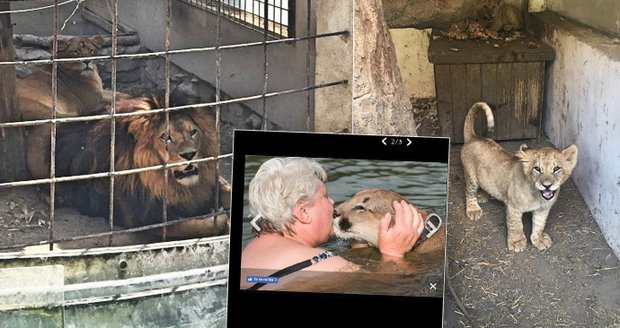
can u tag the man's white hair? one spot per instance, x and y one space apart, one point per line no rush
278 185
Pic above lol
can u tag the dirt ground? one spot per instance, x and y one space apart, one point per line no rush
574 283
24 219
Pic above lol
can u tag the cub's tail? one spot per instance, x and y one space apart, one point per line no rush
468 129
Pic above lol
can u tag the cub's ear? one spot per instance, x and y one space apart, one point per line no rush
97 41
570 155
521 154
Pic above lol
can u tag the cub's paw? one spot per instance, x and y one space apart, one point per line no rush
474 212
517 243
542 241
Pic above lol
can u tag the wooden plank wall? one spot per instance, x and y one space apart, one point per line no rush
513 90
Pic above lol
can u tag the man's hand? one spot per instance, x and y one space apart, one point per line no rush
398 239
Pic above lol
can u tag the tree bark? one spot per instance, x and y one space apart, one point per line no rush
423 14
12 149
380 103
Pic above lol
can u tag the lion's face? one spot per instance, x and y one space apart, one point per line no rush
182 142
77 47
358 218
488 10
189 135
547 167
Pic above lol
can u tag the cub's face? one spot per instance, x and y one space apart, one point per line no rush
181 143
548 168
77 47
488 10
358 218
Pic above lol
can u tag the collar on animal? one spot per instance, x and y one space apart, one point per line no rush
296 267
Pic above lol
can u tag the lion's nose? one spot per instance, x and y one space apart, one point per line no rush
344 224
189 154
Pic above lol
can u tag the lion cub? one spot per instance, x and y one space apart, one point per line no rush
498 16
528 180
358 219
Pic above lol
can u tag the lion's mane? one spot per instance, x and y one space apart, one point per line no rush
138 197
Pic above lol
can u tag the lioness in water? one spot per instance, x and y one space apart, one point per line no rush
358 219
526 181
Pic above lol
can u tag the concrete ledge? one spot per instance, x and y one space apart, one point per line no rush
547 21
31 287
582 106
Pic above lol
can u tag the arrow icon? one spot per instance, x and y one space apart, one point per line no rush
253 222
383 141
408 142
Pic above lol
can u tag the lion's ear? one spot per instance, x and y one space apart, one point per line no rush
523 147
97 41
63 44
570 156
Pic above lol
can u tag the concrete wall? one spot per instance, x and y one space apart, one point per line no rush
600 14
241 69
412 55
583 107
334 61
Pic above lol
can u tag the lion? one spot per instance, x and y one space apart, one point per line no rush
143 141
357 219
528 180
79 92
498 16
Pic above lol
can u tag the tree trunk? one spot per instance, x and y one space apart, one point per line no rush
380 103
12 150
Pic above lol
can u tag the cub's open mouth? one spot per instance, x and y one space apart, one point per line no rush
547 194
188 171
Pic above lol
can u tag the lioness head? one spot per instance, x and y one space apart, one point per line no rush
78 47
357 219
547 167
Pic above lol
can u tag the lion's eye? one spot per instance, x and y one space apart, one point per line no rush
557 169
76 53
359 208
537 169
92 52
193 133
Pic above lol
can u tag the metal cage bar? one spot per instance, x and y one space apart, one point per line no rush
250 13
269 9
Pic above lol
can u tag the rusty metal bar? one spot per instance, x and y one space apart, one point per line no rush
166 111
179 51
172 109
113 122
107 174
218 108
53 126
265 64
118 232
308 66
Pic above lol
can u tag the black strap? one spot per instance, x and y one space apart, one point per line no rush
295 267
